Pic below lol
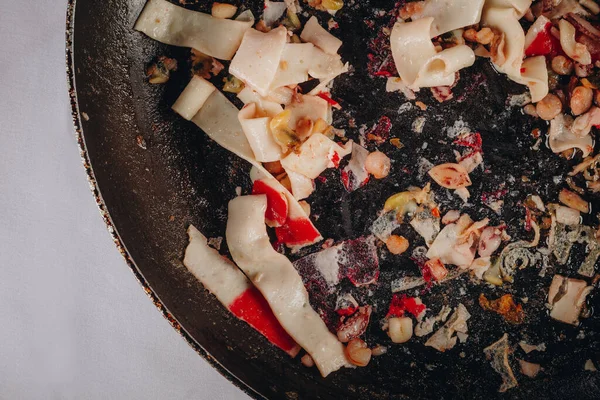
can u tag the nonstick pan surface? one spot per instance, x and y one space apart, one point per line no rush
154 173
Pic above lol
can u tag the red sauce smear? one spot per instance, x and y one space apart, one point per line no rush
277 206
402 303
381 131
328 99
252 308
345 312
335 159
544 44
297 232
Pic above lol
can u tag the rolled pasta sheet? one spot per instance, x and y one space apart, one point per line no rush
259 136
534 74
561 136
270 108
279 282
295 62
257 59
511 52
177 26
316 155
440 69
232 288
193 97
417 61
574 50
314 33
450 14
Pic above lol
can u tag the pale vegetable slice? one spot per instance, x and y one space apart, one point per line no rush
259 135
193 97
576 51
277 279
450 176
314 33
561 136
268 107
177 26
295 62
449 15
315 155
233 289
257 60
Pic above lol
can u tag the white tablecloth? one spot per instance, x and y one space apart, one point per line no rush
75 324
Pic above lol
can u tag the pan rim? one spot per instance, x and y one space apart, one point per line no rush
94 188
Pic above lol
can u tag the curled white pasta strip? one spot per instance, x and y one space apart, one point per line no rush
576 51
417 61
279 282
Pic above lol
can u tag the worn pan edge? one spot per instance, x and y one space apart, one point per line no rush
79 135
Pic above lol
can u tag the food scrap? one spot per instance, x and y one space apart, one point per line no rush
505 306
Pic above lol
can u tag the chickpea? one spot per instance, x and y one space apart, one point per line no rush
409 9
549 107
581 100
485 36
397 244
470 35
378 164
562 65
358 353
529 109
400 330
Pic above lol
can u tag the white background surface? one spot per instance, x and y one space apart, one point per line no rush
74 322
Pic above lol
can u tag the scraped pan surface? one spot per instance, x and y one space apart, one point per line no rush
154 174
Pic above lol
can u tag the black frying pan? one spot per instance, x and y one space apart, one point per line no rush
154 173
